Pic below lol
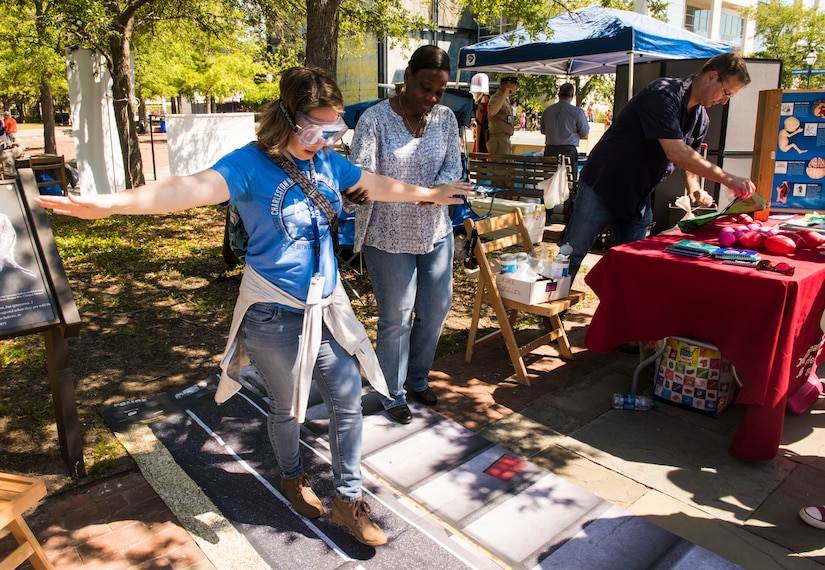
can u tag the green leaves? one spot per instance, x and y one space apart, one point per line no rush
789 32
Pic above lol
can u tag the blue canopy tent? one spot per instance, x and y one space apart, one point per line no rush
588 41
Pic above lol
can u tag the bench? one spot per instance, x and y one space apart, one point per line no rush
17 495
519 174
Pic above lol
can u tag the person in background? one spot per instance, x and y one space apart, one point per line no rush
522 120
292 319
563 125
10 155
482 131
480 89
408 246
660 128
591 112
500 113
10 124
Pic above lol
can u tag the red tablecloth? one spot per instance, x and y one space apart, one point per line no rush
765 323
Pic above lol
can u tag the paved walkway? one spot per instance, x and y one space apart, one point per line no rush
445 496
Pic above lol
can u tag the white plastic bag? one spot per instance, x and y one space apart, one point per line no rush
556 189
683 203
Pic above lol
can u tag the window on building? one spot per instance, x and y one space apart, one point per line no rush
697 20
730 29
503 26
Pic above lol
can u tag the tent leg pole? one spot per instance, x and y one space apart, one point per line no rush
630 77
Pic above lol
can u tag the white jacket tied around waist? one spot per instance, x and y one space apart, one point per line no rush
335 311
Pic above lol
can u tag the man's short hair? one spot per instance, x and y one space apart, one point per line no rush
728 65
567 90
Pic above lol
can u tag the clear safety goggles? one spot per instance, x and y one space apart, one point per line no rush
312 132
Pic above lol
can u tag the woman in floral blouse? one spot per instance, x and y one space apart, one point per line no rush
408 246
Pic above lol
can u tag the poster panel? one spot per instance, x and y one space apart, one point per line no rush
26 300
196 142
799 169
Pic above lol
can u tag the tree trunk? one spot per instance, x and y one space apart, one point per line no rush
121 70
322 34
47 109
46 101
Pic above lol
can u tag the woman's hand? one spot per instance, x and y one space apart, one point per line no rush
171 194
357 195
452 193
385 189
87 208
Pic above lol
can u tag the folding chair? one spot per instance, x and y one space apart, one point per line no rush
17 495
506 310
343 240
54 169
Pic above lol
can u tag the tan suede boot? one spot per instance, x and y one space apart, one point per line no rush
302 497
356 517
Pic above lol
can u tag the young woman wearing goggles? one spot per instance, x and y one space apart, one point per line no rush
292 317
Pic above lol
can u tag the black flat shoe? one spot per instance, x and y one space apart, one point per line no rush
400 414
425 396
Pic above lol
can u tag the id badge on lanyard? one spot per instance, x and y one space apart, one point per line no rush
316 284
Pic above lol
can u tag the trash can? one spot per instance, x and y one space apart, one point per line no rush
163 124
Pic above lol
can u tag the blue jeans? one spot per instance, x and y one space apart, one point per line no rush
269 335
590 217
404 284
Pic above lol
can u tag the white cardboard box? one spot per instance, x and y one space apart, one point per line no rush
532 292
534 214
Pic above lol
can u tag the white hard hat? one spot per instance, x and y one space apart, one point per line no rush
480 83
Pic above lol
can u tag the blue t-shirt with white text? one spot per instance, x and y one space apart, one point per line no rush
279 217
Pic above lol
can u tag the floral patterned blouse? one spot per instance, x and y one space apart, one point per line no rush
383 145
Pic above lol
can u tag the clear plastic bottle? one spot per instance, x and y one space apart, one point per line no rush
560 266
631 402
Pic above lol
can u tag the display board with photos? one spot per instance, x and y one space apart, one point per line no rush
793 145
26 300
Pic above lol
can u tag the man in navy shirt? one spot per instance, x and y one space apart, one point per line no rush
661 128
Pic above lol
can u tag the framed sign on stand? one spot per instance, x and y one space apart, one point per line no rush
789 151
35 297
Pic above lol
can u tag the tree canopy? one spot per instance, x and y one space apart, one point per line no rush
222 48
789 32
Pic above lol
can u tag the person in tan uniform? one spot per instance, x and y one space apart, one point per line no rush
500 115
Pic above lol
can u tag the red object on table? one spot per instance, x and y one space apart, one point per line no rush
765 323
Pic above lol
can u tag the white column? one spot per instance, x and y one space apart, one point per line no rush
715 20
750 35
99 161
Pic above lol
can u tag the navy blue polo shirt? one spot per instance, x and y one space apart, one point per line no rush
628 162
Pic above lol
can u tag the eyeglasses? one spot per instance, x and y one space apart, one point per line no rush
312 132
727 93
783 268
